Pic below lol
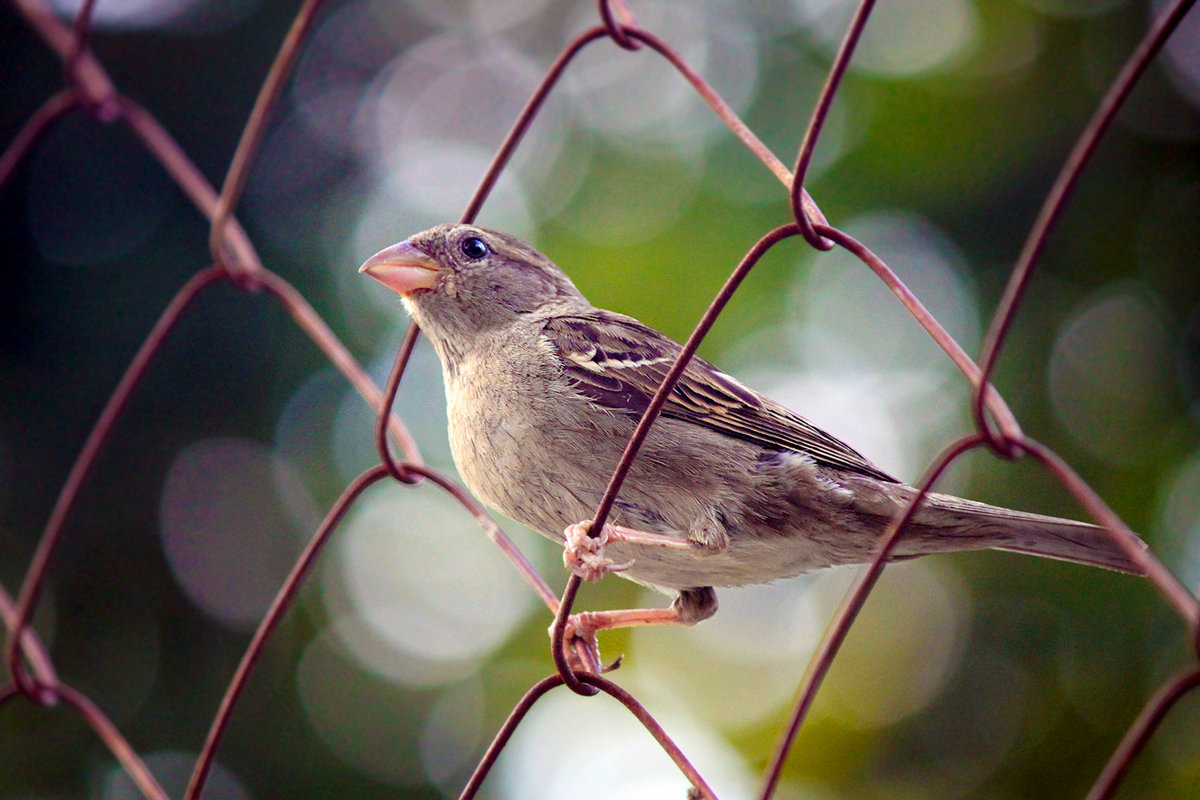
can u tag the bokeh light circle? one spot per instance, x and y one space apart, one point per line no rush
192 16
421 403
904 39
641 102
906 645
549 753
426 588
482 16
228 537
1110 374
1183 54
367 722
172 769
99 178
749 650
850 358
1178 521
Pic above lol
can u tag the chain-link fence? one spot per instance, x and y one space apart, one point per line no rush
224 506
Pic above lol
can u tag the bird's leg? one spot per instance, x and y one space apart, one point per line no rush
690 607
583 554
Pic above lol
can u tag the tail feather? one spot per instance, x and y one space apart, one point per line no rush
984 526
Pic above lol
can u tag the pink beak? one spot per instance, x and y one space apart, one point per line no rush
402 268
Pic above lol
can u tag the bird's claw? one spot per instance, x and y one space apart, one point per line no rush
581 647
583 554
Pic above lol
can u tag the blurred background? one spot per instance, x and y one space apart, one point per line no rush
973 676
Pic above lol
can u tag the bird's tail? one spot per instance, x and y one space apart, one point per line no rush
956 524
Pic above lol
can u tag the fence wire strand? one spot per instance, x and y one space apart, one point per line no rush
31 669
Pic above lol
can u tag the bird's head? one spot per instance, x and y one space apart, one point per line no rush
461 279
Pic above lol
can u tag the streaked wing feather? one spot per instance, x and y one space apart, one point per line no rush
619 364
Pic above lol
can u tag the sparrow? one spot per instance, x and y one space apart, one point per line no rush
543 391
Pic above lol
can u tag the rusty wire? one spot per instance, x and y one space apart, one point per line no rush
88 87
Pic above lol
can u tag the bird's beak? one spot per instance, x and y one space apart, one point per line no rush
402 268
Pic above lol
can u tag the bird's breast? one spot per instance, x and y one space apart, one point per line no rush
514 434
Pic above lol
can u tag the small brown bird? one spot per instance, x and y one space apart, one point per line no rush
730 488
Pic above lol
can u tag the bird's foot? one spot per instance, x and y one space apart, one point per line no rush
583 554
579 637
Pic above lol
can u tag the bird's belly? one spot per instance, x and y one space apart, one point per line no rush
744 561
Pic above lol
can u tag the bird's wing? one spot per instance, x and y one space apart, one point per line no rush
619 364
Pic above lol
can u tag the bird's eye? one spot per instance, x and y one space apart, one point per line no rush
473 248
